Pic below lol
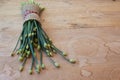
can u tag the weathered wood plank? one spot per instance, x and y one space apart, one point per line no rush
89 30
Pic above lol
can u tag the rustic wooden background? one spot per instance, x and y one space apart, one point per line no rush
88 30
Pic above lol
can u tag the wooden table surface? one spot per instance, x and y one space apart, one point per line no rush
88 30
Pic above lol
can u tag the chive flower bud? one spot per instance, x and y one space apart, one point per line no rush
43 66
21 68
72 60
57 64
64 54
30 71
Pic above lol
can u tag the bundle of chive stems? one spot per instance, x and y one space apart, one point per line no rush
32 38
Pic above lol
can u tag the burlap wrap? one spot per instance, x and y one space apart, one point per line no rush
34 14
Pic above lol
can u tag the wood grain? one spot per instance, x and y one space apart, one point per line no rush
88 30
